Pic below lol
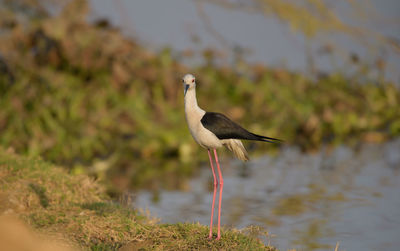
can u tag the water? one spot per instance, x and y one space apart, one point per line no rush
177 24
304 201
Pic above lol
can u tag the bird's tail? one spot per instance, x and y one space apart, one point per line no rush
237 148
265 139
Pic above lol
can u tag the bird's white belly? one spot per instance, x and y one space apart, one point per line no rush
204 137
201 135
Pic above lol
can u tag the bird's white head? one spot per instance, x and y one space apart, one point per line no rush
189 82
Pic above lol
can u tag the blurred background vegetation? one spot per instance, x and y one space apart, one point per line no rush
82 94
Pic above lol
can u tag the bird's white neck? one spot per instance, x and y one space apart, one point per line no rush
191 106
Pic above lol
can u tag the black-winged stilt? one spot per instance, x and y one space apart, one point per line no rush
213 130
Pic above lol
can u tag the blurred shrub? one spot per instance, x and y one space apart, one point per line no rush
85 96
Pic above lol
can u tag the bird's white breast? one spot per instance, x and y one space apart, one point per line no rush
201 135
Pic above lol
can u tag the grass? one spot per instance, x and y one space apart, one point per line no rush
75 208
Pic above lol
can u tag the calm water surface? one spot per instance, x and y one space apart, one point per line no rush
303 201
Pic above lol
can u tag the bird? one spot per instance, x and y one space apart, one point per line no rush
212 130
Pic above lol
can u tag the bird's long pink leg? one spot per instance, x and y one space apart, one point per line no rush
221 186
214 194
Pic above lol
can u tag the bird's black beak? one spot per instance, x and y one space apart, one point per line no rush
186 88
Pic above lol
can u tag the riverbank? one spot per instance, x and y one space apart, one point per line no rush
76 209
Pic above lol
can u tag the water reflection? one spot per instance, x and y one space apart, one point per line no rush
304 201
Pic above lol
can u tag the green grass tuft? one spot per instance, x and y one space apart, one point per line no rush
41 193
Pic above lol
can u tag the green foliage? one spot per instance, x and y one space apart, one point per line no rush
84 96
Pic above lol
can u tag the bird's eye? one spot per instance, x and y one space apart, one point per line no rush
183 81
192 80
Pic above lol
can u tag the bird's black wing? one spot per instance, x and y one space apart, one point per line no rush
224 128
